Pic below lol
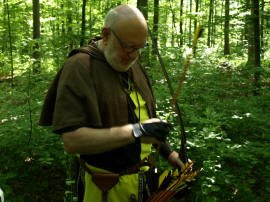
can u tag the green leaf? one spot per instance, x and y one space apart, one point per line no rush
227 181
251 181
215 188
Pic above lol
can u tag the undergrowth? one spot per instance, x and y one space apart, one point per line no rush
227 127
227 130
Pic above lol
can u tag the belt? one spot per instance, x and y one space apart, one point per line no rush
106 181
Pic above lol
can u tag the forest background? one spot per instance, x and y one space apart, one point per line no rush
224 100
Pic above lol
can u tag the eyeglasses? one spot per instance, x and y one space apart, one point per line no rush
126 48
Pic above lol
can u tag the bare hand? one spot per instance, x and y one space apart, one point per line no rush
174 160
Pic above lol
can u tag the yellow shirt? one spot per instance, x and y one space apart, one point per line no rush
128 184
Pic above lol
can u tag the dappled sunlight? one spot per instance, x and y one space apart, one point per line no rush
212 135
237 117
14 118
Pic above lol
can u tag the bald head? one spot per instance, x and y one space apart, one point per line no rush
125 31
125 16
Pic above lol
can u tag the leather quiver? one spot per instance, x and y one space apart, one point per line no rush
105 181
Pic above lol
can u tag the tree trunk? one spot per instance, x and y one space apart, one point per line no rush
36 36
57 20
10 44
172 39
143 7
262 26
257 49
83 23
173 24
227 28
190 13
69 34
196 10
214 23
164 38
249 36
63 23
4 36
185 31
253 25
90 20
209 23
52 23
181 23
155 24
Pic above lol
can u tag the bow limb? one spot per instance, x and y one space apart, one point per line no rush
183 152
188 60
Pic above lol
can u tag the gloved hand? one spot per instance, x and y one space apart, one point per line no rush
158 130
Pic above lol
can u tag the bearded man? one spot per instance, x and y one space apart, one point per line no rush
102 105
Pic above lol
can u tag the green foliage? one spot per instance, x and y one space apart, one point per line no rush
22 162
227 127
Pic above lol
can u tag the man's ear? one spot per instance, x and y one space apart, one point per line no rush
105 35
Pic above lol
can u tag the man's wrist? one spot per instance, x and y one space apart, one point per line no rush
130 133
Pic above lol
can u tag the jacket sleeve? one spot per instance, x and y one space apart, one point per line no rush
76 103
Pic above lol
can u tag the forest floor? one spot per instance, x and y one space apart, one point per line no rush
38 185
28 172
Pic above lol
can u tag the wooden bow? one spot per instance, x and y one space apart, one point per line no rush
183 152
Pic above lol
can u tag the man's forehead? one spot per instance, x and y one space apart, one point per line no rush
133 33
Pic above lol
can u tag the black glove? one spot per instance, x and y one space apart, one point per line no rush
158 130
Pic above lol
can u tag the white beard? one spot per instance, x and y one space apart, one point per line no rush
110 54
